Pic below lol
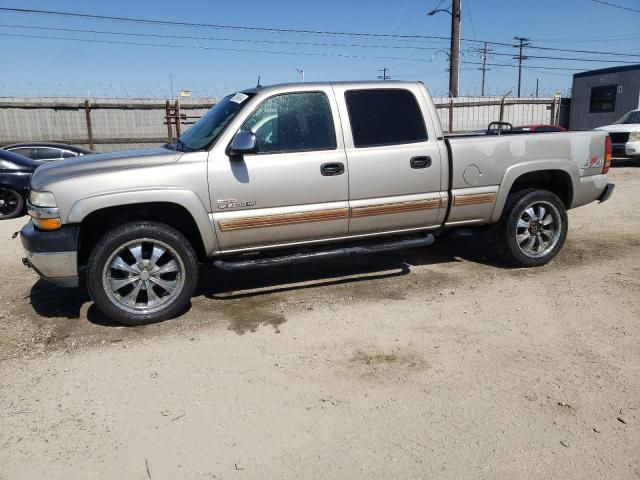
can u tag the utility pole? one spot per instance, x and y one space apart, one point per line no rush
537 86
523 43
455 48
485 56
454 55
386 74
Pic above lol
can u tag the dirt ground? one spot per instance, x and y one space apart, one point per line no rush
433 363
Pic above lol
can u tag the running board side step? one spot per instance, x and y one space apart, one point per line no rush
304 257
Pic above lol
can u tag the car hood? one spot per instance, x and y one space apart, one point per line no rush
101 162
624 127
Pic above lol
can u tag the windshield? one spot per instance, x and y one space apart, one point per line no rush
209 127
631 117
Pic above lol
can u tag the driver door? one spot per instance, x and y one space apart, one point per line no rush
295 188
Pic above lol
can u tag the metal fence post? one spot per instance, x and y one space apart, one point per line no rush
450 114
177 114
168 119
502 109
555 110
87 114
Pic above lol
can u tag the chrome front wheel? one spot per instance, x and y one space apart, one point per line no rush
143 275
142 272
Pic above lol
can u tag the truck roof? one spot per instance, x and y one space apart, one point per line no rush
358 83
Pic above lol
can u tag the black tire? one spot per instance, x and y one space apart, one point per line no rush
11 204
513 238
120 244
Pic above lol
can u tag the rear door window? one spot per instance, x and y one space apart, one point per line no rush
384 117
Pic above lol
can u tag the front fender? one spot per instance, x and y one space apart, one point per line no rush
18 181
514 172
185 198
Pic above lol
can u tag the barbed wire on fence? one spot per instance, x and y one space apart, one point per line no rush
43 89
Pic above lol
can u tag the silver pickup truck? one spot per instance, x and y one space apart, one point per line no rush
294 173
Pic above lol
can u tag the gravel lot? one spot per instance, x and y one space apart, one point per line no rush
433 363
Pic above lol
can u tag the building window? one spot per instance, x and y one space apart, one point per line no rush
603 99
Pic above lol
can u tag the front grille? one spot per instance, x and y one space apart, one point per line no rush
619 137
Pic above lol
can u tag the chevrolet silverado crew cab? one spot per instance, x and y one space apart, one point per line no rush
291 173
625 134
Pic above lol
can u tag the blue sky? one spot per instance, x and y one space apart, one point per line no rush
39 66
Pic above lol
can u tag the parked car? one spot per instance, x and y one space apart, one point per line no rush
538 128
625 134
293 173
15 173
47 152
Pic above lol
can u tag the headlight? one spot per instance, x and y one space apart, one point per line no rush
43 210
42 199
634 137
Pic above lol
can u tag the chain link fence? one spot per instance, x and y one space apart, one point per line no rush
117 124
102 125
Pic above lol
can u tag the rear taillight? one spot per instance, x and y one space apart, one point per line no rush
608 153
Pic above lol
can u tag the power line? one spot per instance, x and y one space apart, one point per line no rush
275 52
293 31
570 59
278 42
200 47
513 65
287 30
275 42
585 51
225 27
617 6
629 36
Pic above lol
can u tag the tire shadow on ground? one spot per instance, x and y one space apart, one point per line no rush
50 301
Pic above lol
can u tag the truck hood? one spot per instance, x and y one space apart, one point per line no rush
101 162
625 127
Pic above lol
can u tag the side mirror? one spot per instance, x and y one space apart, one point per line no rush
242 144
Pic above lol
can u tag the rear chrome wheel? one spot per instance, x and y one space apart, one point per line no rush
142 272
532 228
538 229
11 203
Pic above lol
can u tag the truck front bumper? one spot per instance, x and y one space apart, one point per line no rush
53 255
632 149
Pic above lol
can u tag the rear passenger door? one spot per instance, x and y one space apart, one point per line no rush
394 160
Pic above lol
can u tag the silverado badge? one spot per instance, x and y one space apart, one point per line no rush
232 203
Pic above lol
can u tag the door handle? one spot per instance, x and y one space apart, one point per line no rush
331 169
420 162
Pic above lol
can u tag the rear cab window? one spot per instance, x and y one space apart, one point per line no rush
382 117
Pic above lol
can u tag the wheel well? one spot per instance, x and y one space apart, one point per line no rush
555 181
99 222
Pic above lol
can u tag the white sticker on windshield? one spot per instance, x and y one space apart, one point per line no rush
239 98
